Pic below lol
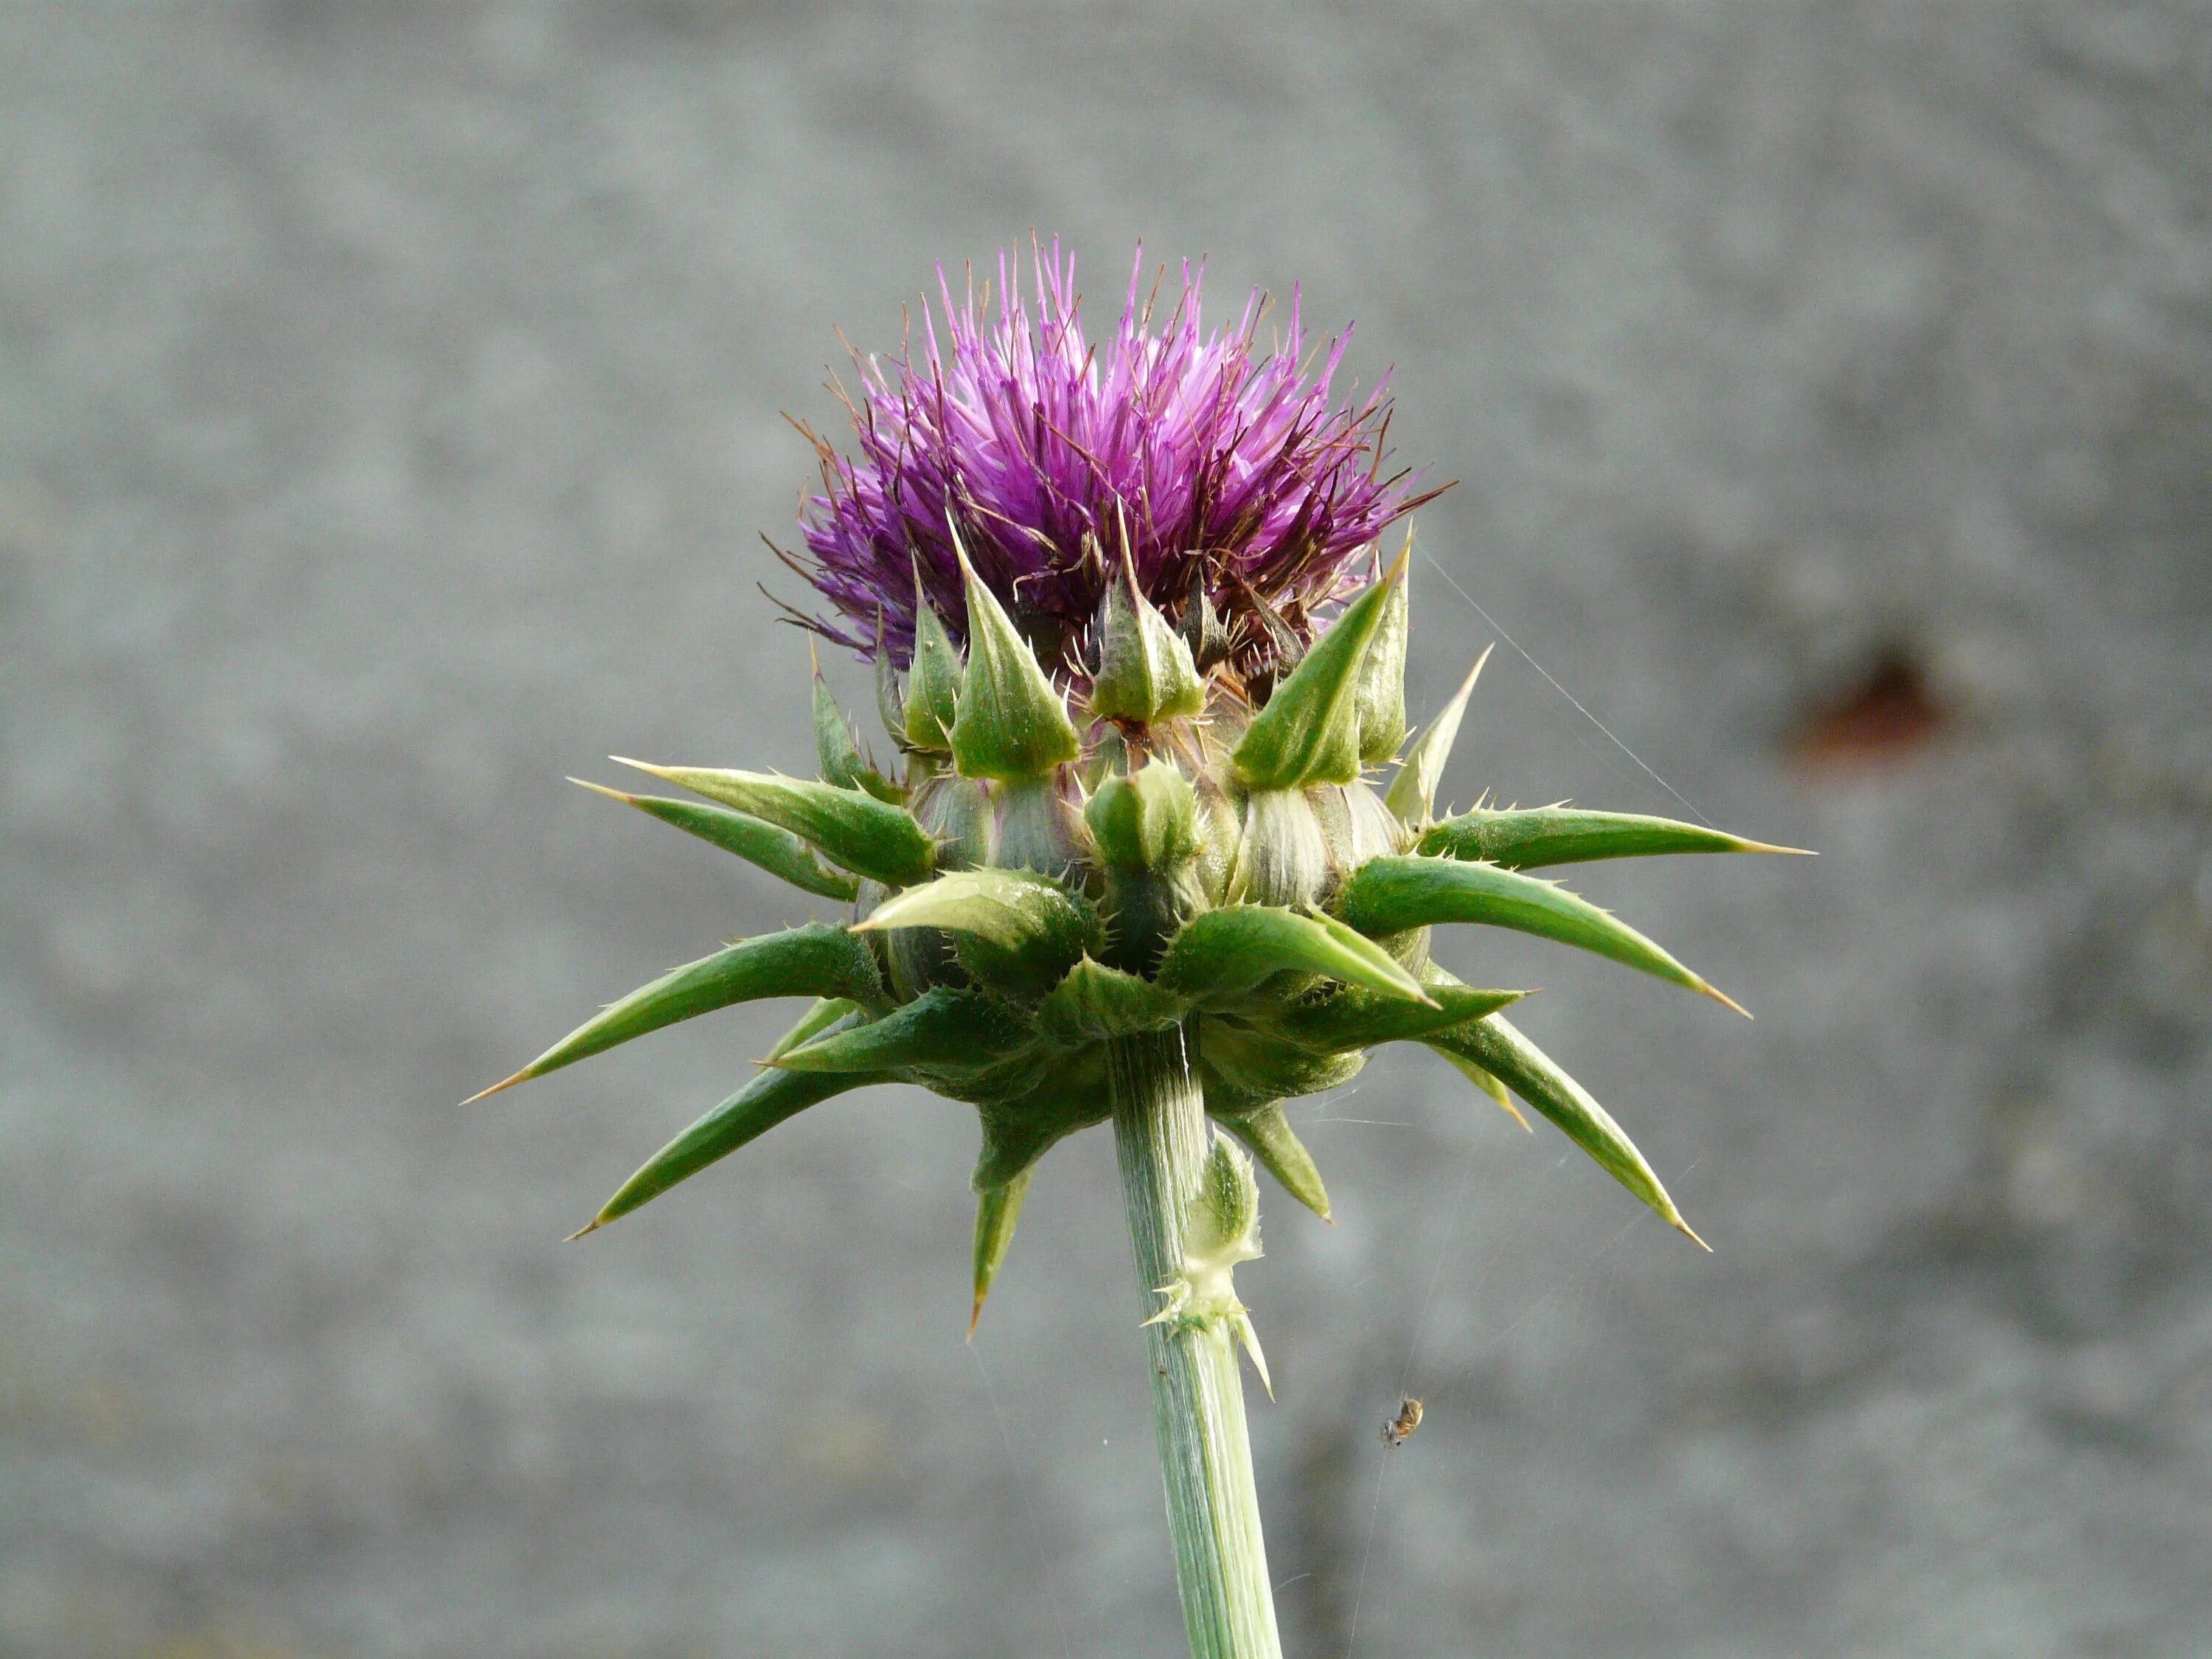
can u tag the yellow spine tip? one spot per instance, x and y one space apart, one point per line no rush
522 1076
976 1318
601 789
1723 998
590 1226
1688 1232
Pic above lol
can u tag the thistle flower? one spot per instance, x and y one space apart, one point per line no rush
1211 459
1133 859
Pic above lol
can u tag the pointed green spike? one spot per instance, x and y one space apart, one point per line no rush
1542 836
1145 669
1309 733
1391 895
891 697
1413 795
809 961
1147 821
1500 1049
1381 696
1361 1019
1020 931
1484 1081
746 1115
834 746
1010 722
825 1013
867 836
932 682
1095 1003
776 851
1267 1133
997 1210
955 1029
1225 952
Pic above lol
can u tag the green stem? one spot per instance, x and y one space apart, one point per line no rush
1162 1138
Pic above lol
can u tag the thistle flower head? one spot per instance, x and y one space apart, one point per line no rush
1133 782
1214 460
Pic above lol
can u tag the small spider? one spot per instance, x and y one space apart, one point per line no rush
1399 1428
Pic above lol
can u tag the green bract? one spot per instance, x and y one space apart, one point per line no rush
1130 839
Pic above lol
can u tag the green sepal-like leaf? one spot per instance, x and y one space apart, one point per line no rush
1145 668
1222 952
746 1115
1309 733
997 1210
1528 840
1497 1048
1267 1133
776 851
1010 722
1019 1129
1020 932
933 681
1390 895
809 961
1382 695
867 836
1354 1018
1095 1003
1412 792
954 1030
825 1013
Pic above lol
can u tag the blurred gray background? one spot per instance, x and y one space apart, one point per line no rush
389 410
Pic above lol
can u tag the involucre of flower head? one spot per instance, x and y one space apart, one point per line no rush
1210 456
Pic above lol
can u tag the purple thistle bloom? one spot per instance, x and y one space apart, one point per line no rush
1202 452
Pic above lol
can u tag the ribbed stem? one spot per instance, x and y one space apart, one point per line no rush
1162 1138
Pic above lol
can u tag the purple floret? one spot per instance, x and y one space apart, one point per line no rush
1203 449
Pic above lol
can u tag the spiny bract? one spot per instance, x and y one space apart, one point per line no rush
1134 786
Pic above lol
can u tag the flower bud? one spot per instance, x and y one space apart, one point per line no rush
1145 671
1010 722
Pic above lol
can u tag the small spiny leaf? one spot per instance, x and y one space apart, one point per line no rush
997 1210
1413 795
776 851
1528 839
1497 1048
1392 895
1222 952
809 961
869 837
